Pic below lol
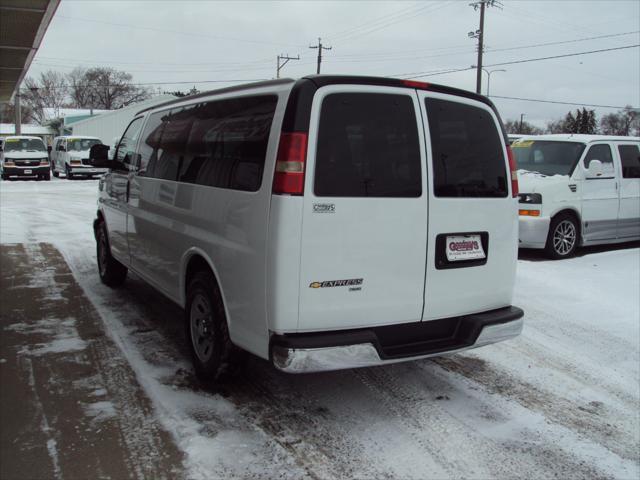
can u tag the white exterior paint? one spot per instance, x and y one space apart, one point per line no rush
266 249
607 205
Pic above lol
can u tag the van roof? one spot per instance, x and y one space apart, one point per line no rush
28 137
582 138
324 80
78 136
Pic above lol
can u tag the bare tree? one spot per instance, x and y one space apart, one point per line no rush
49 90
525 128
112 88
624 122
79 88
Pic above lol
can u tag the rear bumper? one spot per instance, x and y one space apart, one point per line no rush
533 231
77 170
336 350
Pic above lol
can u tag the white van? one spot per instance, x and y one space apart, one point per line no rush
24 156
325 223
70 156
577 190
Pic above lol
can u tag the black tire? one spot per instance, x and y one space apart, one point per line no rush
111 271
5 176
68 172
47 177
56 174
563 236
213 355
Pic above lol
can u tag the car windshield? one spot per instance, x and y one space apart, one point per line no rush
81 144
548 157
24 145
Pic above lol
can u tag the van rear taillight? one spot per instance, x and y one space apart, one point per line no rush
292 153
514 173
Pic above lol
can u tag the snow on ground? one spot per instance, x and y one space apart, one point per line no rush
562 400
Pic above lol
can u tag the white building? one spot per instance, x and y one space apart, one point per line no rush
111 124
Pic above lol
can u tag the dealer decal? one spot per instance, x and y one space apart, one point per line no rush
337 283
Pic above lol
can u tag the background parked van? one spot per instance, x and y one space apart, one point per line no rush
24 156
325 223
578 190
70 156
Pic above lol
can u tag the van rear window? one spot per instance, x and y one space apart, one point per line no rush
367 147
468 158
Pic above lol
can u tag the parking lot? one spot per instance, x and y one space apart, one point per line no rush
561 401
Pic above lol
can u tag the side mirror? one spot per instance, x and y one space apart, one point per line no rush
595 169
99 156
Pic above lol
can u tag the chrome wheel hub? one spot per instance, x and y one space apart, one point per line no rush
564 237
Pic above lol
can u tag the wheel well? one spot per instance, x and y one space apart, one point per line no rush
576 216
196 264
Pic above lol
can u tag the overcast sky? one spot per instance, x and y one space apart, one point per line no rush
193 42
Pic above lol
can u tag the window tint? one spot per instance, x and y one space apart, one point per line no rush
368 147
228 143
127 145
602 153
468 159
151 143
630 157
176 125
219 144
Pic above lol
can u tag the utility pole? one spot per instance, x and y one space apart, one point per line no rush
320 48
479 34
18 112
521 118
286 59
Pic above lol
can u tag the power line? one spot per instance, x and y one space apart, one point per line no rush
513 62
143 84
177 32
557 102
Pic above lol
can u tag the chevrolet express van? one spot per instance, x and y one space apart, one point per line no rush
24 156
326 223
70 156
577 190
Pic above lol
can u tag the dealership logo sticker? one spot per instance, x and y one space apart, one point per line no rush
337 283
324 208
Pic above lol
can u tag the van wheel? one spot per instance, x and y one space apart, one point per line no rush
47 176
112 272
56 174
68 172
562 239
212 353
5 176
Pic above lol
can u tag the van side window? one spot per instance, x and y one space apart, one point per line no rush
468 158
603 153
150 144
630 157
126 148
368 147
227 143
171 151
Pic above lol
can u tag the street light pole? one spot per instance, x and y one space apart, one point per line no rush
489 72
489 77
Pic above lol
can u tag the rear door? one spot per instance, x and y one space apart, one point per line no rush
473 221
364 223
